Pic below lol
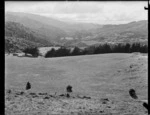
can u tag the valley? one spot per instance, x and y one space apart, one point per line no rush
101 62
55 32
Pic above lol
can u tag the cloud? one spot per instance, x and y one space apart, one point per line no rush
95 12
78 7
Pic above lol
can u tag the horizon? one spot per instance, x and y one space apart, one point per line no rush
79 12
74 21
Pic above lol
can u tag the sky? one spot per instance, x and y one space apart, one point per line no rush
106 12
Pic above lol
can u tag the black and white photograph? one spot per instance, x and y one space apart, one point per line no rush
76 57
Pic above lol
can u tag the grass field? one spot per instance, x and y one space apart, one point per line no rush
98 76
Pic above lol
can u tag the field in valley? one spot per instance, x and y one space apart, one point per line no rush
104 76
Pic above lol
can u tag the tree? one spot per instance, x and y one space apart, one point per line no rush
62 52
105 48
33 51
51 53
76 51
127 48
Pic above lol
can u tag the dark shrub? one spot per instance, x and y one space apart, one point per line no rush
69 89
145 105
28 86
133 94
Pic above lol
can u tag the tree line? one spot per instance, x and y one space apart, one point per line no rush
100 49
62 51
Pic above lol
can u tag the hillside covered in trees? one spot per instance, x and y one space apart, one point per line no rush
18 37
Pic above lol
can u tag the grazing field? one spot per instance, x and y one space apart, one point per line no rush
97 76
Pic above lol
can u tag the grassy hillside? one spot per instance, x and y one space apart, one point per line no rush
105 76
85 73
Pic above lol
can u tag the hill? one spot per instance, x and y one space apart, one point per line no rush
66 26
126 33
81 34
37 24
52 28
17 37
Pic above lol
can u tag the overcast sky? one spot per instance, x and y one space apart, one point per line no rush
115 12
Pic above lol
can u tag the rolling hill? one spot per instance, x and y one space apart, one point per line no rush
131 32
66 26
17 37
50 27
80 34
35 23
